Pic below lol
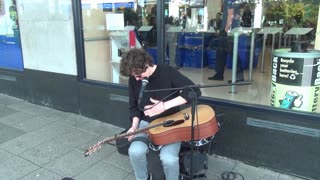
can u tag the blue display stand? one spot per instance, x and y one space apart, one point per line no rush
193 58
153 51
193 39
189 52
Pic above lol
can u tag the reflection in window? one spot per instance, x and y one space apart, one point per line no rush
191 40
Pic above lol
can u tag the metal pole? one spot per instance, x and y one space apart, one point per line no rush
263 51
272 47
285 41
280 37
160 32
252 53
234 61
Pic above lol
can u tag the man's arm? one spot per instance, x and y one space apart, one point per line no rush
229 19
174 102
134 126
159 107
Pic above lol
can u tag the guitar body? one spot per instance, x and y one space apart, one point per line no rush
205 125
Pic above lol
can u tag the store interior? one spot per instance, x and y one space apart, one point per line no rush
194 56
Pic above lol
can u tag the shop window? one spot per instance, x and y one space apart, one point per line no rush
192 41
10 44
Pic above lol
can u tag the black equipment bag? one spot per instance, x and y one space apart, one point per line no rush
199 162
123 144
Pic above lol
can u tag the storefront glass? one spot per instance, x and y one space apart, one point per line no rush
10 44
192 41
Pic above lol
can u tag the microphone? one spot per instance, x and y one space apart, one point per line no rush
143 86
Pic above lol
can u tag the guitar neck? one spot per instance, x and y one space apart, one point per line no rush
119 136
97 146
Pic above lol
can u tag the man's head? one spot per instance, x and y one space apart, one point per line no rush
135 62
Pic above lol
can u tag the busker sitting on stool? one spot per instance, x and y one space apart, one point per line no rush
138 66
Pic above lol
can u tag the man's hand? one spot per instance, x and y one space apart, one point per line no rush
154 109
134 127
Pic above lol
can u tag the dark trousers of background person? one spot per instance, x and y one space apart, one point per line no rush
226 47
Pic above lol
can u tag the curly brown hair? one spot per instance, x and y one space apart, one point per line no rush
135 61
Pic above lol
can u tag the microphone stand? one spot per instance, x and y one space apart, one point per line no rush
193 110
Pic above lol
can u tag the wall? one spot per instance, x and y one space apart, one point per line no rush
214 6
47 35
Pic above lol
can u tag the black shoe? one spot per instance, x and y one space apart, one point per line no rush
238 80
215 77
149 176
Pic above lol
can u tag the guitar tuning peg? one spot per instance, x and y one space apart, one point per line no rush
186 116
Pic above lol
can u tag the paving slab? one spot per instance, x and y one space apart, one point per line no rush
30 108
5 111
8 133
32 123
5 155
15 168
52 130
254 173
22 143
46 152
119 160
7 100
42 174
15 118
103 171
71 164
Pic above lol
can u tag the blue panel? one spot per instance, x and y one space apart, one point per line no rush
10 53
153 52
193 58
107 6
210 55
123 5
193 41
181 39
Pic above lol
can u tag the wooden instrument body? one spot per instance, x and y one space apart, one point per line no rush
205 125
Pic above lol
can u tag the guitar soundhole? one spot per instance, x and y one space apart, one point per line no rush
177 122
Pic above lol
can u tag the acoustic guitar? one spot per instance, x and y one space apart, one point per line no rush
173 128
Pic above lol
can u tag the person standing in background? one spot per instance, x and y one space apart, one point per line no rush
216 23
246 17
230 20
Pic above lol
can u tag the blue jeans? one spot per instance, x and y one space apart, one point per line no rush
169 156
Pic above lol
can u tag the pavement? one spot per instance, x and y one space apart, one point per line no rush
37 142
